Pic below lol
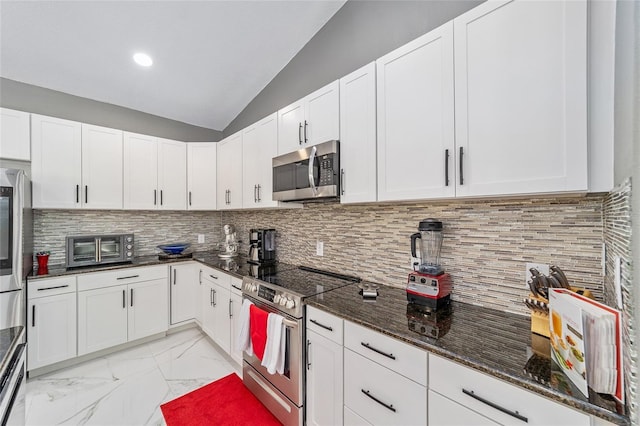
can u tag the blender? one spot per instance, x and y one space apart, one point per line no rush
428 285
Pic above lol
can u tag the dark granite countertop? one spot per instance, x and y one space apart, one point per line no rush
497 343
236 266
9 339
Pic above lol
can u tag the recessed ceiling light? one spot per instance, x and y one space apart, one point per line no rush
143 59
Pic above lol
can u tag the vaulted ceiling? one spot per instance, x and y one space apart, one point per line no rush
210 58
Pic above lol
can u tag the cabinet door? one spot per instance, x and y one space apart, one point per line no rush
148 308
172 174
221 300
208 311
201 175
51 330
324 381
358 136
521 97
183 280
56 162
444 412
101 168
236 307
102 318
415 119
230 172
15 137
140 172
322 115
259 147
290 122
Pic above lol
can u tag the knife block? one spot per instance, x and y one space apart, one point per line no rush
540 317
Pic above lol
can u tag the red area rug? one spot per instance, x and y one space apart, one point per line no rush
224 402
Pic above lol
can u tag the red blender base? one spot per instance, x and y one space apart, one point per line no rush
433 291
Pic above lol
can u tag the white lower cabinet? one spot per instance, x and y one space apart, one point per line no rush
184 283
324 380
116 307
382 396
216 307
481 393
444 412
147 314
51 321
236 308
324 367
102 318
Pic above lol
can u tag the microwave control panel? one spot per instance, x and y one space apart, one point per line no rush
326 170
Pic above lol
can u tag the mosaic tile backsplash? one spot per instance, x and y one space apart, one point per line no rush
486 243
617 237
151 228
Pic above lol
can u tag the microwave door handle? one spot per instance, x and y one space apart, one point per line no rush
96 243
99 250
312 160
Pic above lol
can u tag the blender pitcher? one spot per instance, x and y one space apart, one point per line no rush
430 237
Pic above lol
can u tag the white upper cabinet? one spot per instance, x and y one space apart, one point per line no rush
201 175
101 167
56 162
155 173
415 119
229 172
172 174
140 172
260 143
520 98
358 136
15 143
311 120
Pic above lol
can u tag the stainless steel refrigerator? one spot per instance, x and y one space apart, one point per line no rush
16 254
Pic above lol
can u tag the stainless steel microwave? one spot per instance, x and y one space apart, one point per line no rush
308 173
91 250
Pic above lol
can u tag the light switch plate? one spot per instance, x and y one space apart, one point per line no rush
319 248
200 238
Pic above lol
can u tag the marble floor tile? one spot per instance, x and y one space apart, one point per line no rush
127 387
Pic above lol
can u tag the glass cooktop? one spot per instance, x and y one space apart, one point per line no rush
304 281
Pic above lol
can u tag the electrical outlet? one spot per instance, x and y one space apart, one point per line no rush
200 238
319 248
541 267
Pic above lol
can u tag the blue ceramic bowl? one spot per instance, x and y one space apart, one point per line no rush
175 248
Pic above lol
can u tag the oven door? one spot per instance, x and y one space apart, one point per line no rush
290 383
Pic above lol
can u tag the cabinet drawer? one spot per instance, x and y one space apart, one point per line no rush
352 419
456 382
325 324
381 396
216 277
236 285
407 360
51 286
120 276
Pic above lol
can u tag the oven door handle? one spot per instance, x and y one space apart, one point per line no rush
312 160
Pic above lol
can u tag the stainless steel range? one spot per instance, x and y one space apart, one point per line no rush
282 290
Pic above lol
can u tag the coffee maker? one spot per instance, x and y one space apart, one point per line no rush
262 246
428 285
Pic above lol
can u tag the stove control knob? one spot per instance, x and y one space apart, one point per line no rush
283 300
290 304
276 298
